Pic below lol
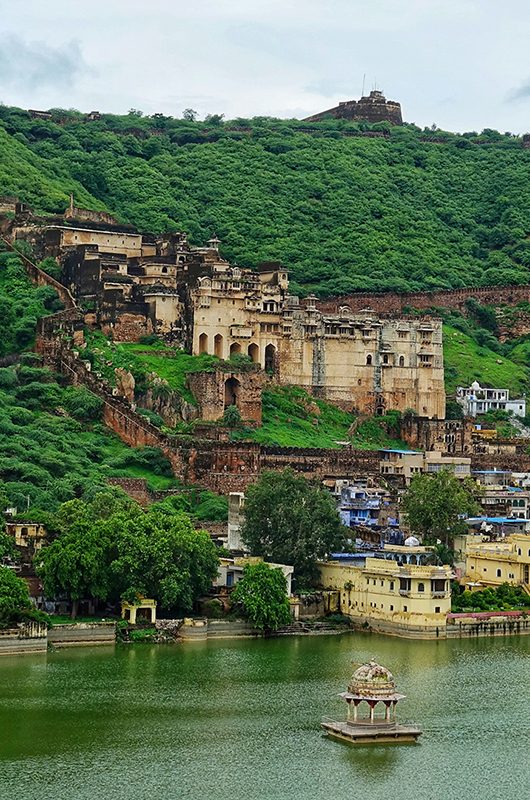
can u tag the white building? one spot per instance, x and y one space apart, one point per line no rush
477 400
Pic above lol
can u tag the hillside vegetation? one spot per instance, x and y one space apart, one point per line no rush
53 444
344 213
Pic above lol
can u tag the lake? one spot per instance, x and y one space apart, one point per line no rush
240 718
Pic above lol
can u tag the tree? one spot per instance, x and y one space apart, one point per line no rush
7 547
162 556
189 114
261 595
77 563
291 521
82 404
111 547
435 506
214 119
14 598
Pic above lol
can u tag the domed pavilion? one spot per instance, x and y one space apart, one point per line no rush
372 690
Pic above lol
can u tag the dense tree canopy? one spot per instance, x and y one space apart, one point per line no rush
14 598
436 504
407 210
262 597
110 548
289 520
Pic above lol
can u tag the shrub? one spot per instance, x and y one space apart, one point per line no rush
82 404
232 417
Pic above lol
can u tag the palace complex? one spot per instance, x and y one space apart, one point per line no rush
131 285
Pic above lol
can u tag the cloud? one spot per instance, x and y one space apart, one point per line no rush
332 87
34 65
520 93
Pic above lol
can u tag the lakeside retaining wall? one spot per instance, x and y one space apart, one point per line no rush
491 623
78 634
200 629
28 637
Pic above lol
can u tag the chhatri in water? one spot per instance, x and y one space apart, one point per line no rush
372 684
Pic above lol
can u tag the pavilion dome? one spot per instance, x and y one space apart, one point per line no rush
411 541
372 680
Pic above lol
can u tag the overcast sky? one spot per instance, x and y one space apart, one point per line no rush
462 64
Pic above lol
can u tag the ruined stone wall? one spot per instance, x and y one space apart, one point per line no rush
215 391
127 327
514 462
134 487
372 108
392 303
87 215
447 436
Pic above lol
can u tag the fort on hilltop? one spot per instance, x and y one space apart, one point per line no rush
371 108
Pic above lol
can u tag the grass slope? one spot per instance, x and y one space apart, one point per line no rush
466 361
170 363
293 418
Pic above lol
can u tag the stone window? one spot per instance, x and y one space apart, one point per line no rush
421 587
405 608
391 608
391 586
499 573
368 360
401 361
436 609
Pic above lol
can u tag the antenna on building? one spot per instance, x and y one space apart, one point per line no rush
364 79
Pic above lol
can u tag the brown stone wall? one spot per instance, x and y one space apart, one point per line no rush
502 461
390 303
214 391
88 215
128 327
448 436
134 487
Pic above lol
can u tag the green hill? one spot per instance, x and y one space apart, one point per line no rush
342 211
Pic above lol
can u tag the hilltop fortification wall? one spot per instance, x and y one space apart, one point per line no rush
390 303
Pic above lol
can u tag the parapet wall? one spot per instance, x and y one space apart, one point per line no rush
390 303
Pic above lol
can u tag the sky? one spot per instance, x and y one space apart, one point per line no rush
460 64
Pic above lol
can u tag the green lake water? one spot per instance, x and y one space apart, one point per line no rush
241 719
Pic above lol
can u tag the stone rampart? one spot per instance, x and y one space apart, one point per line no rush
514 462
397 303
135 487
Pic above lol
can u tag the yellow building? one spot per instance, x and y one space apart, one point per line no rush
391 596
494 563
357 360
